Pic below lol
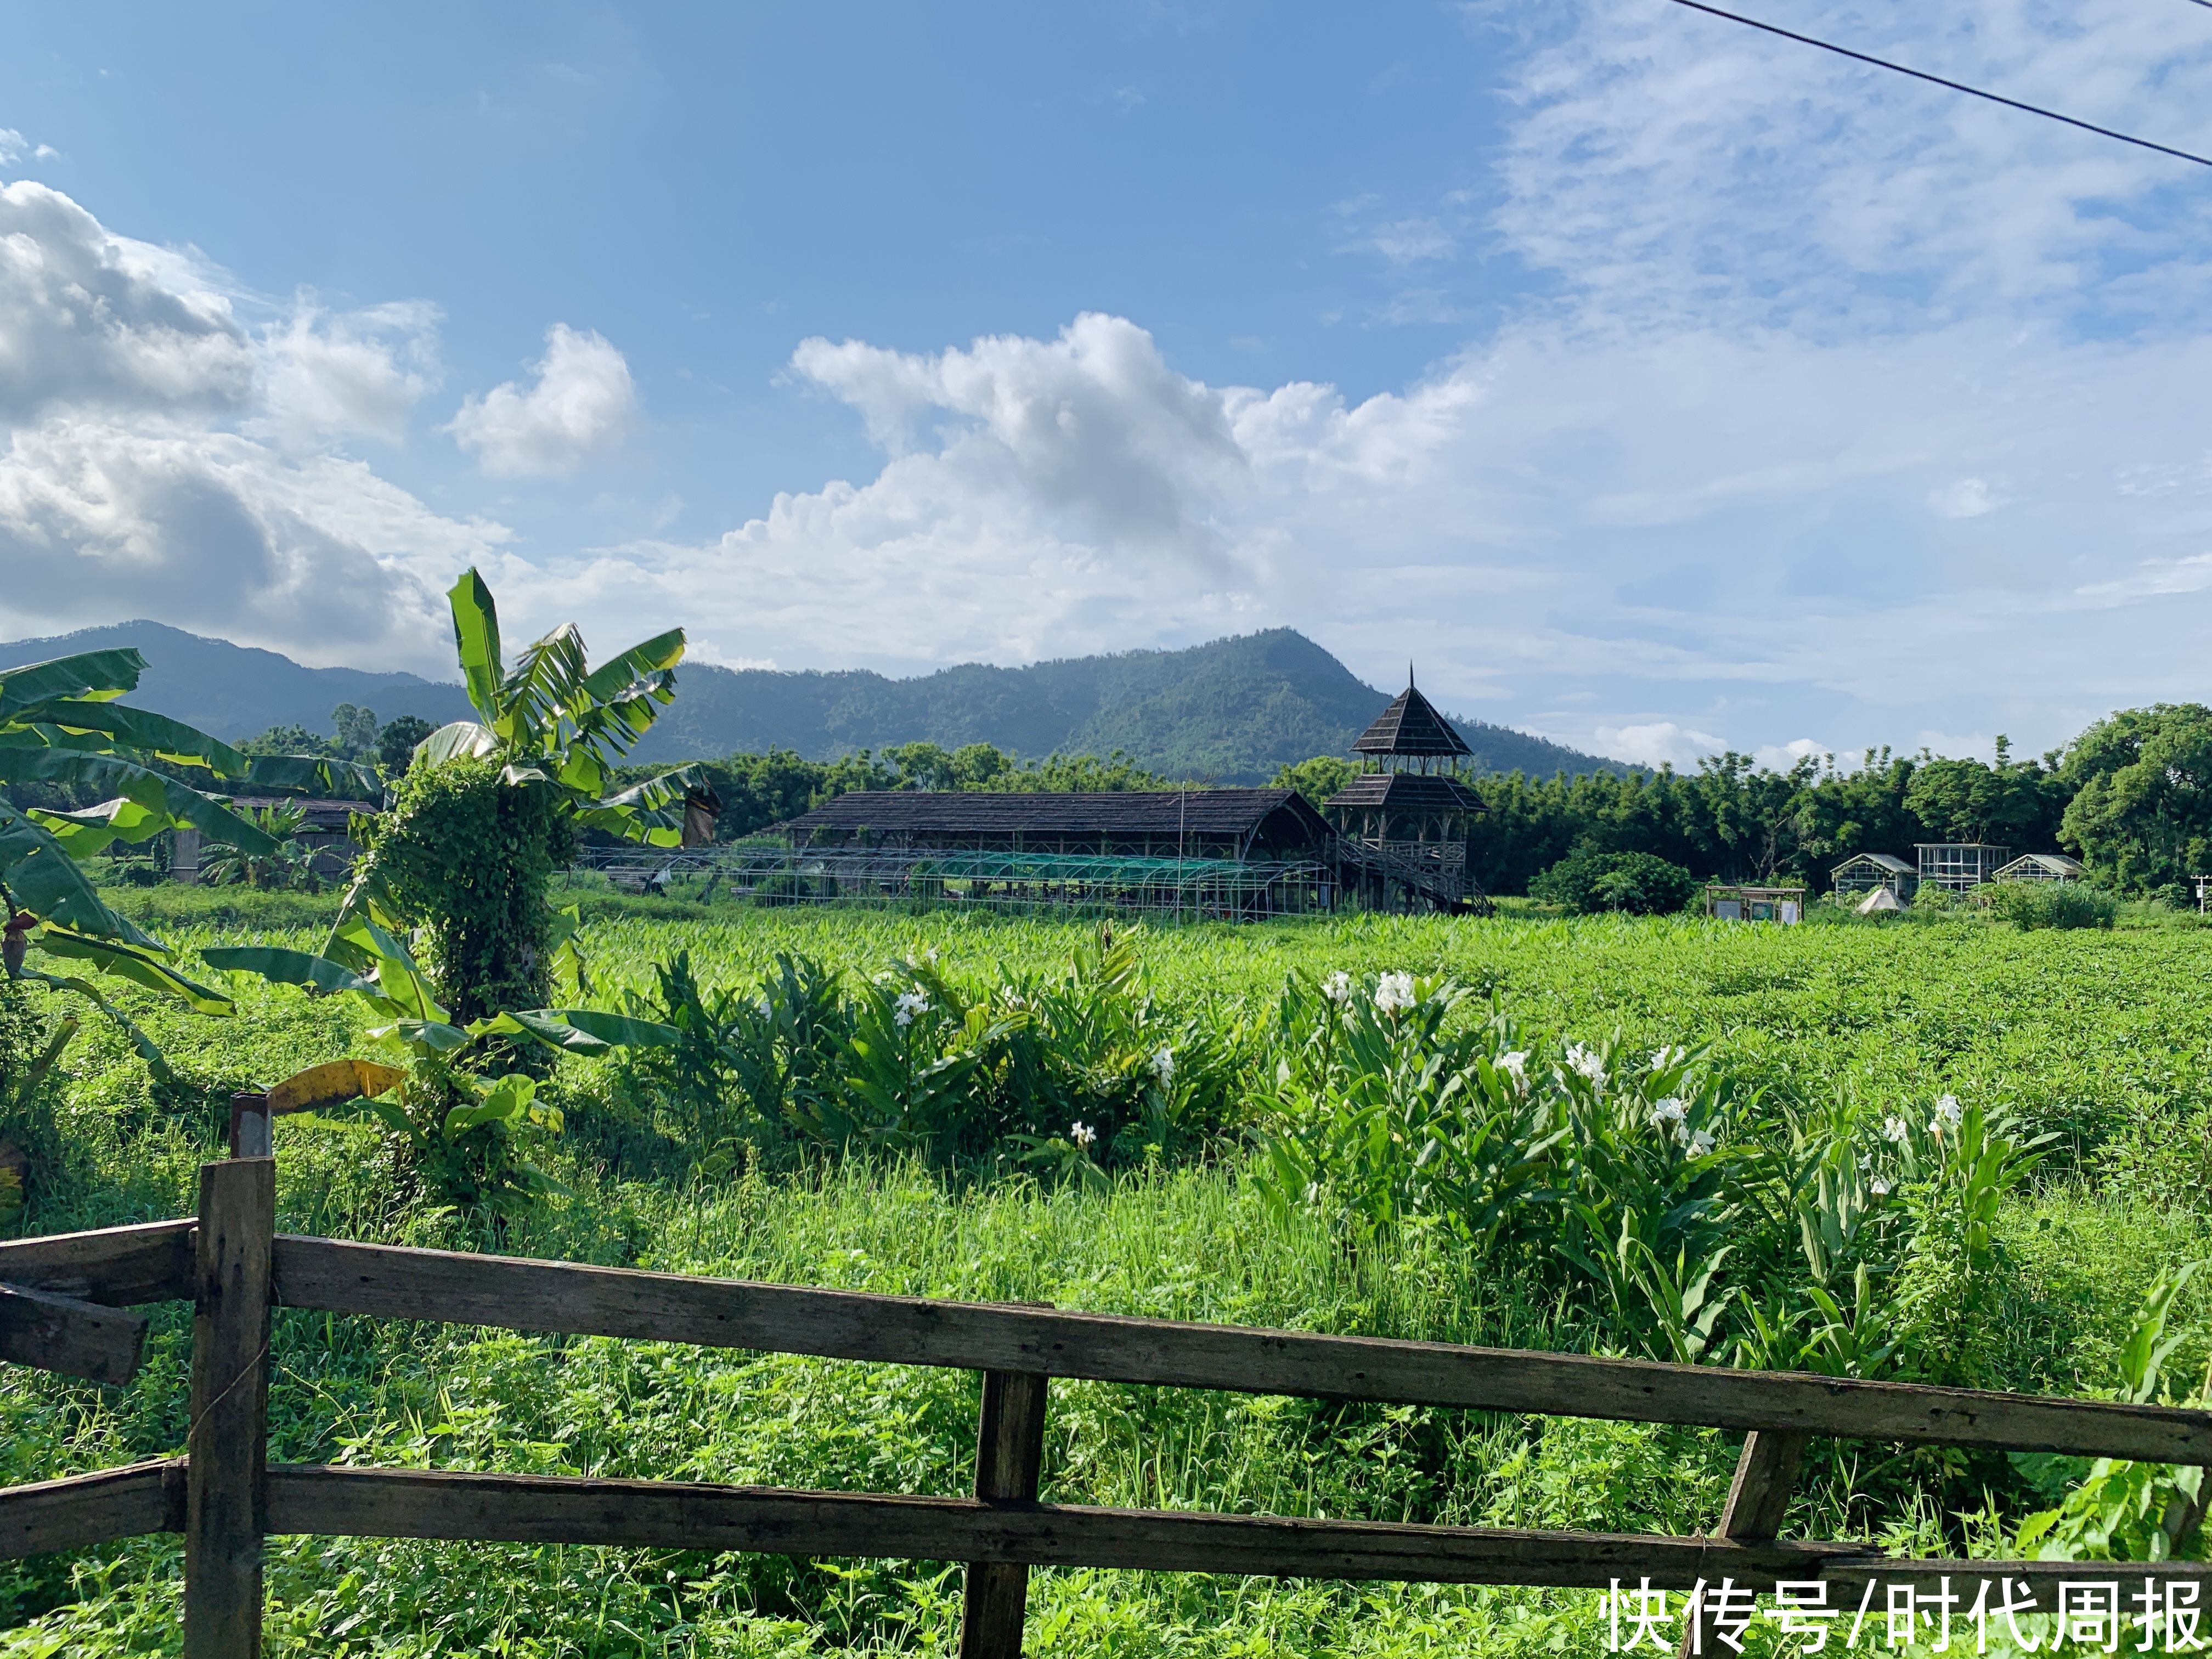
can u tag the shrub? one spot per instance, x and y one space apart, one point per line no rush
1641 883
471 857
2029 904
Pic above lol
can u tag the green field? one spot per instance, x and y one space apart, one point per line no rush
2099 1040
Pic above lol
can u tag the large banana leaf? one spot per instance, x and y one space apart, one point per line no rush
463 739
648 664
137 964
476 637
282 967
546 687
581 1031
108 774
96 829
137 729
97 675
348 780
46 882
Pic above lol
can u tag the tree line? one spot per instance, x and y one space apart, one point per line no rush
2131 796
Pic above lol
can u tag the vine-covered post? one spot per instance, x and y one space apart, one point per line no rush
227 1447
1009 1458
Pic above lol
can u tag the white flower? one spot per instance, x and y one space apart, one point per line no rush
1514 1064
1947 1112
910 1004
1393 992
1337 987
1588 1062
1669 1110
1878 1187
1663 1058
1893 1129
1701 1143
930 956
1164 1065
1081 1133
1866 1160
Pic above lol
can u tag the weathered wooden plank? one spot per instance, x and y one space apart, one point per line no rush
118 1266
81 1510
552 1510
1009 1458
226 1444
396 1283
75 1338
1757 1498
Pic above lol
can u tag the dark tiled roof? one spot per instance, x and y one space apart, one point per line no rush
1161 813
1408 792
1411 725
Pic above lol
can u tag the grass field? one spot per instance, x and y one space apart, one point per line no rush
2098 1038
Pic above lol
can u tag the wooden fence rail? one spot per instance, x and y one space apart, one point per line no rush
59 1299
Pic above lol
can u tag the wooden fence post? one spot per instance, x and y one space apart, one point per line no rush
250 1126
226 1471
1009 1456
1757 1498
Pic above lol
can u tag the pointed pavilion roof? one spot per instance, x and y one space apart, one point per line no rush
1411 725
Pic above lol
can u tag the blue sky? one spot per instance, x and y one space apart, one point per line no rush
1657 385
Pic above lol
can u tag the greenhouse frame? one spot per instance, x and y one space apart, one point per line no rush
774 873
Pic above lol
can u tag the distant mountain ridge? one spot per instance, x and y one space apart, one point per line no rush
1228 712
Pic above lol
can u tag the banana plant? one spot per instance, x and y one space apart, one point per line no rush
553 720
460 1128
550 721
61 725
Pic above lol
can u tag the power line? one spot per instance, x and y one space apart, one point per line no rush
1955 86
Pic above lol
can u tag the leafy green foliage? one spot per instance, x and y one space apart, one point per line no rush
2031 904
2118 1510
61 725
1071 1070
396 741
1639 883
2142 806
1318 780
286 867
467 857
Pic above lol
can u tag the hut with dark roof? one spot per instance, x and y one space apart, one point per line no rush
1195 824
1403 820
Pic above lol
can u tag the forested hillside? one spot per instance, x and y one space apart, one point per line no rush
1229 712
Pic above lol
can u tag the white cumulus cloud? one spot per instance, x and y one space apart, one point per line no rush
164 458
582 403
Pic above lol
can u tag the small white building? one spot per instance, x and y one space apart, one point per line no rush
2043 867
1867 871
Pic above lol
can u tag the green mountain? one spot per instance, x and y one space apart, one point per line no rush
1229 712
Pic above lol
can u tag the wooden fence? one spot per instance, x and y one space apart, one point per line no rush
61 1303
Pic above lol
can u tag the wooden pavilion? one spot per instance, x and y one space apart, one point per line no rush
1403 821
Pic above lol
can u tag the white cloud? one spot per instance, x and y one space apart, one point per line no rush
1968 498
356 373
582 403
214 533
160 456
90 319
1659 743
1781 756
14 147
